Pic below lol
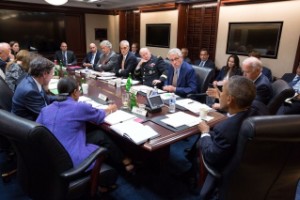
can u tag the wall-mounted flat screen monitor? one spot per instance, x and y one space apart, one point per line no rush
158 35
263 37
35 31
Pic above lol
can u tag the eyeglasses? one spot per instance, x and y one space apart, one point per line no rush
64 46
123 48
175 59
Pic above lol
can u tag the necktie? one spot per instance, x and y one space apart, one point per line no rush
294 82
201 64
93 58
65 59
123 62
43 95
175 77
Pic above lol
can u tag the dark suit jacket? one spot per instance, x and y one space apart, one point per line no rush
208 64
218 148
288 77
129 65
27 101
268 73
223 73
264 89
89 57
70 55
186 82
110 62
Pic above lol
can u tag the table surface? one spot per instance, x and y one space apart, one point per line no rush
167 136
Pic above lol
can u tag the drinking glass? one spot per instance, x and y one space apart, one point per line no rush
210 101
125 100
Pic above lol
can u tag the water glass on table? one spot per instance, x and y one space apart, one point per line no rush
125 100
210 101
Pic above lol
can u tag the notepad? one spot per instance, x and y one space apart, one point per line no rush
118 117
134 131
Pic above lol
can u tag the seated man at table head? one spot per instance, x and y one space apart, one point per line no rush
65 56
181 76
92 57
218 145
252 69
151 70
126 61
108 58
30 97
67 121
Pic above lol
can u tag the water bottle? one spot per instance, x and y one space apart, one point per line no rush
172 103
128 83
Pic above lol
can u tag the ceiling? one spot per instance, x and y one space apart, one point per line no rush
110 4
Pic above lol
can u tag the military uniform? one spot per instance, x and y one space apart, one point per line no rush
154 69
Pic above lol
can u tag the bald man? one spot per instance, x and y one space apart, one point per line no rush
92 57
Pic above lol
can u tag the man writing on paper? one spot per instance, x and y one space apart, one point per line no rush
181 76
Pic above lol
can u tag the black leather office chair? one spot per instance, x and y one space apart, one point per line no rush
266 162
203 76
281 91
45 169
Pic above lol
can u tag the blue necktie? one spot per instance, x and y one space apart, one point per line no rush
202 64
295 81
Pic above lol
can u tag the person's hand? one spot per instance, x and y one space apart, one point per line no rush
215 83
111 108
155 82
213 92
169 88
203 127
216 106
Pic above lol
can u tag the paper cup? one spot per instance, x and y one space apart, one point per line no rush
203 113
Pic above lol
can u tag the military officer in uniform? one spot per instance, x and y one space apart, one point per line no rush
151 70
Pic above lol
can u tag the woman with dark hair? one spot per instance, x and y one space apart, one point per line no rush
17 69
67 121
15 47
232 68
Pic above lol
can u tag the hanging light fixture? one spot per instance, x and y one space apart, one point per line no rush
56 2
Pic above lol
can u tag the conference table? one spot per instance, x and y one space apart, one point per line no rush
167 137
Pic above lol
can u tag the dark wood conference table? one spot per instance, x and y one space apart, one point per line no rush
167 137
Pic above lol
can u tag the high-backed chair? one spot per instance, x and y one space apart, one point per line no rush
281 91
266 162
203 76
45 169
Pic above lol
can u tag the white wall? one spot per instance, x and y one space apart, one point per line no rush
110 22
286 11
158 18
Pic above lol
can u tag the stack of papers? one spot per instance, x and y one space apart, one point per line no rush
180 119
193 106
146 89
134 131
92 102
118 117
167 96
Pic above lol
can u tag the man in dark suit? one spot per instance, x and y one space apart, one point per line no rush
30 97
252 69
181 76
292 106
135 49
65 56
108 58
151 70
204 60
126 61
92 57
218 145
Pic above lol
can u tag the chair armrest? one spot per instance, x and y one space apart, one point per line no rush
210 169
80 169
